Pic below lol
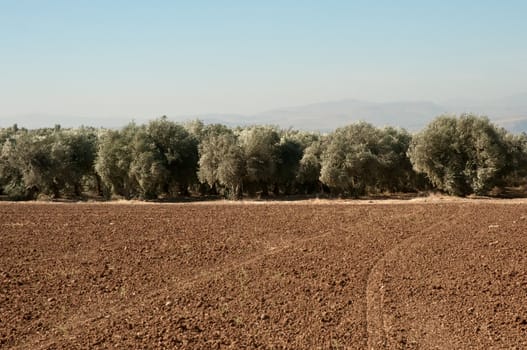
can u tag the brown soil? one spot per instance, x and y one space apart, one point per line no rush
372 275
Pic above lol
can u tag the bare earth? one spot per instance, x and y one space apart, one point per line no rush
423 275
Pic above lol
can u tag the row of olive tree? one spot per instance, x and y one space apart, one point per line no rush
258 158
165 159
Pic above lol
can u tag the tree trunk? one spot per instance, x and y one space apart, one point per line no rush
77 189
213 190
55 189
276 190
98 182
265 191
183 189
238 192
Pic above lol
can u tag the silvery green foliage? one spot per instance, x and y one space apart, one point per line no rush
222 161
176 150
461 155
458 155
11 178
51 161
361 157
396 172
114 158
149 160
309 167
349 158
147 167
260 145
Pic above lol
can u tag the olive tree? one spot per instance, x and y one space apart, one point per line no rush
148 167
11 177
515 170
395 169
351 162
222 162
308 174
173 153
114 158
289 152
75 150
461 155
259 145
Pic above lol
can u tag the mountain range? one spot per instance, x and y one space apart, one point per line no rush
509 112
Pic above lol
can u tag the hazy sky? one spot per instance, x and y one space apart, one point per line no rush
115 59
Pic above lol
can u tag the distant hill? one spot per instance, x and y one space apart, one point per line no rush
509 112
330 115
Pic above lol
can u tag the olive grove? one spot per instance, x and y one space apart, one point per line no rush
163 159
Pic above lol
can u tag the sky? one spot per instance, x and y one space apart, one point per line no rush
135 59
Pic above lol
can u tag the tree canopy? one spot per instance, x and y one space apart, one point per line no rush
461 155
163 159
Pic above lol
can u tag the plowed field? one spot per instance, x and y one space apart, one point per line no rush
447 275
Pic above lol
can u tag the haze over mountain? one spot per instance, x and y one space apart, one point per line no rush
327 116
509 112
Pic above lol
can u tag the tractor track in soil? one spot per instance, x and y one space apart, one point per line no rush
375 313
